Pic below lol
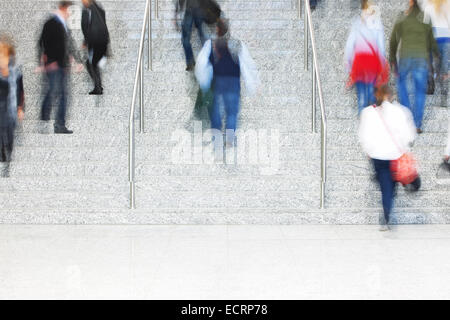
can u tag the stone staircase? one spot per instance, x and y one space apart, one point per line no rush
83 178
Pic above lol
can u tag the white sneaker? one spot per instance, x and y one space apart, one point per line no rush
384 227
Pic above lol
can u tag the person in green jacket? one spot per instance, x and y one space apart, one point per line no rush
417 44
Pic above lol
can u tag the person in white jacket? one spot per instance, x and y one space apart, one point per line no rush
379 125
221 63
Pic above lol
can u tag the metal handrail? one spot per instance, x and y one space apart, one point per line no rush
316 84
138 84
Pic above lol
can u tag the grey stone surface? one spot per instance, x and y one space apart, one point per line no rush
83 178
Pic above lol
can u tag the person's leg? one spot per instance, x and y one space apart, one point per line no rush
387 185
198 21
62 96
361 95
444 48
186 37
403 71
98 53
371 94
49 93
10 142
420 75
215 115
232 101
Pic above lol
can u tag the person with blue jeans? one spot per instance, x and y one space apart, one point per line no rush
192 16
417 44
221 64
418 68
364 55
56 46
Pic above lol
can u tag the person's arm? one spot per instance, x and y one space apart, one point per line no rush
393 45
433 44
179 6
40 46
349 49
381 44
85 24
20 98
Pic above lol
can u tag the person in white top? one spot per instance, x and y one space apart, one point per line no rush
379 143
437 12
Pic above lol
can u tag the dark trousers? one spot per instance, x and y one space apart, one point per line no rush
56 89
191 17
313 3
6 143
387 185
96 53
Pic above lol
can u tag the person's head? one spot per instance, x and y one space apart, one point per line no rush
383 93
222 28
413 4
7 47
87 3
364 4
63 8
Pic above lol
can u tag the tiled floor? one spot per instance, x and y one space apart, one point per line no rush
224 262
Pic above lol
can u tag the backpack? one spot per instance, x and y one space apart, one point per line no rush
210 11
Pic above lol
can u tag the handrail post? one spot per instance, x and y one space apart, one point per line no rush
141 98
150 42
138 83
157 9
306 36
299 8
313 99
317 85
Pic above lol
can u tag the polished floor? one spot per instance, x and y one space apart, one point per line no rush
224 262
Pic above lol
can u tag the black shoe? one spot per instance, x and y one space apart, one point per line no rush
63 130
414 186
419 131
96 91
446 164
190 66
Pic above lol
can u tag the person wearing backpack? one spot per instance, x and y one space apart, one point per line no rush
196 12
96 40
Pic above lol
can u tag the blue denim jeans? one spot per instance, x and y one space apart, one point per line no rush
56 89
191 17
418 68
227 89
313 3
365 94
444 50
387 185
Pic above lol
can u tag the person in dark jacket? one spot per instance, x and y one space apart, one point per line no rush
12 100
56 47
193 15
96 39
